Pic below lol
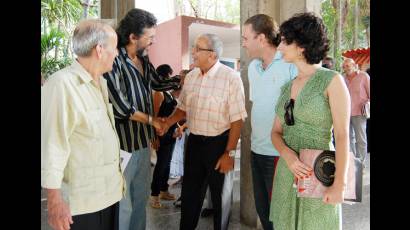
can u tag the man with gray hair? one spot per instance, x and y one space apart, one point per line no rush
80 150
213 102
358 83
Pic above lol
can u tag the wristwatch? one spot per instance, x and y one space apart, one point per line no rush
231 153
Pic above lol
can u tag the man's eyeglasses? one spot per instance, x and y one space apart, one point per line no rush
289 119
197 49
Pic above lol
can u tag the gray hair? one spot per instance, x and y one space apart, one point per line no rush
214 43
88 34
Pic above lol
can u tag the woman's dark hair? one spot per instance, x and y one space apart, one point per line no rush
164 70
134 22
307 31
264 24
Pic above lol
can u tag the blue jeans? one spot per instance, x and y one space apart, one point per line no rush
138 177
263 169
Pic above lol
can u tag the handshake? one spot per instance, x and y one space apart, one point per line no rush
161 125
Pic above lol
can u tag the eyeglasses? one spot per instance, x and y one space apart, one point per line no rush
289 119
197 49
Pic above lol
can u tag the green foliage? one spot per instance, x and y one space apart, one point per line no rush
61 11
51 65
58 18
232 10
50 40
219 10
330 18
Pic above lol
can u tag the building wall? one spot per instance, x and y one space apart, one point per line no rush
171 42
167 46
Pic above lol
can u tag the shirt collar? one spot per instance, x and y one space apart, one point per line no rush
212 71
277 57
123 52
82 73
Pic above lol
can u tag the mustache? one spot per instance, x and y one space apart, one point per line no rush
143 51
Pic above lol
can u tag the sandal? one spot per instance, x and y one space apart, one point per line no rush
155 202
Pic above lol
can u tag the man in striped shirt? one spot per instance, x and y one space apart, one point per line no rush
213 102
130 84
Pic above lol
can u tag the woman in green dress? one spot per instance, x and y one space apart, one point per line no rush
308 107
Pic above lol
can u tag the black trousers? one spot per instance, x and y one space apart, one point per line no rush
161 171
106 219
202 154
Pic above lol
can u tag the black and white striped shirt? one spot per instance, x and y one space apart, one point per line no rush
129 91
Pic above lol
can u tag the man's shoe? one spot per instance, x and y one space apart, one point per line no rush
167 196
207 212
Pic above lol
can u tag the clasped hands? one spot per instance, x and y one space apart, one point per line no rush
160 124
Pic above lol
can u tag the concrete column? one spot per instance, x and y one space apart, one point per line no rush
289 8
115 9
280 10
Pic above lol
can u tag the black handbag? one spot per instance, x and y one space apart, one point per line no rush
324 169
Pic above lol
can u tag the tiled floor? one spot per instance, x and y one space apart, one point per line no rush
355 216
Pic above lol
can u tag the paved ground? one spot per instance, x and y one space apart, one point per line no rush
355 217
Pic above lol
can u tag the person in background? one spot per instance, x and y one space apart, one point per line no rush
328 63
358 83
178 156
164 105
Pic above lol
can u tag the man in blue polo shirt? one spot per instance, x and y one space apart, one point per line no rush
267 73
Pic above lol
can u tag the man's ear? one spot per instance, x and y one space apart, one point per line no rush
98 50
133 38
261 37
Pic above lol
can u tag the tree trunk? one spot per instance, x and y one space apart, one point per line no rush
194 8
338 31
45 26
368 36
356 24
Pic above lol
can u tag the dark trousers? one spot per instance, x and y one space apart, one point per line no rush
161 171
106 219
202 154
263 170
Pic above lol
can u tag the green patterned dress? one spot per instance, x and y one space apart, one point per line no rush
312 130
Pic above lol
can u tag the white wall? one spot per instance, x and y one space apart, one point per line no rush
231 50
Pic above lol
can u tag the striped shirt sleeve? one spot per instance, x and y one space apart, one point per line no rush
123 109
160 84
